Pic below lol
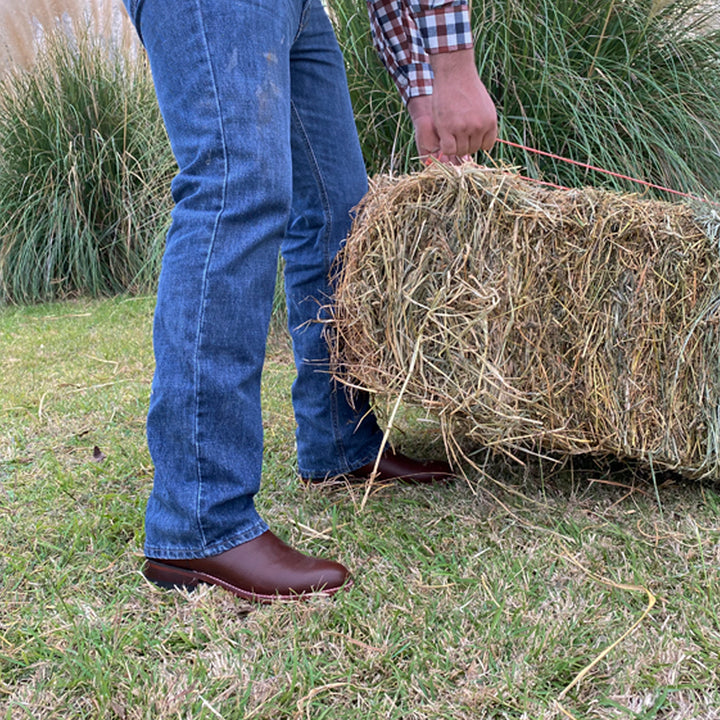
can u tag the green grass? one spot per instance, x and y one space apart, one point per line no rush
85 168
484 599
631 86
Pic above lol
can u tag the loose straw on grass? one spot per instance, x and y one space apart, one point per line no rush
619 586
388 430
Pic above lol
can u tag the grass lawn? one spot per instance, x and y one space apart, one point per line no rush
524 593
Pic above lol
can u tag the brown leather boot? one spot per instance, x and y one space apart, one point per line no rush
395 467
262 570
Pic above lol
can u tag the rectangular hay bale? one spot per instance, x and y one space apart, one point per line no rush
530 318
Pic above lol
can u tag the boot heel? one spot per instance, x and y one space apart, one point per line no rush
169 577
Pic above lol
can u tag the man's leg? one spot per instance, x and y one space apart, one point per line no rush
329 179
334 436
221 72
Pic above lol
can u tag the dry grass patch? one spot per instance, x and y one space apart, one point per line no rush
24 25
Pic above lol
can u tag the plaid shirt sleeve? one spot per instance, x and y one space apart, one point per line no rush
405 32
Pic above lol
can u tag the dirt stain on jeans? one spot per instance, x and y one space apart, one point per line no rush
268 94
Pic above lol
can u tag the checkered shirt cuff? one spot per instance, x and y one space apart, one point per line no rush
420 81
445 29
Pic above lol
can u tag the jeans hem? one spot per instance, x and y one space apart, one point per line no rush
348 467
174 553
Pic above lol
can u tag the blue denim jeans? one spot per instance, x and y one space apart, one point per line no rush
255 101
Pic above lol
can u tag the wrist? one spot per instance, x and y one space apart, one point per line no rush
453 63
420 106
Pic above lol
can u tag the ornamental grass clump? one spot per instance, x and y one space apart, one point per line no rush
532 319
85 168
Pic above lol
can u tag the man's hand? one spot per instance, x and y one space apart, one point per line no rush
459 118
464 115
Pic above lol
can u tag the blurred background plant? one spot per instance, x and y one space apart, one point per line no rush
85 164
632 86
23 25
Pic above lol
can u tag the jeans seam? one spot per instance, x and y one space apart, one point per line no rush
327 209
303 18
206 270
